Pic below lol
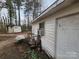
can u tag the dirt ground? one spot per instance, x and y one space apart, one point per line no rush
15 51
10 50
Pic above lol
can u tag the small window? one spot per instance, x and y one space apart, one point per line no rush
42 29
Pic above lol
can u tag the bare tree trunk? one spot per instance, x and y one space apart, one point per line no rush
19 15
10 17
15 15
28 22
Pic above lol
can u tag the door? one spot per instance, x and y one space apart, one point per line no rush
68 37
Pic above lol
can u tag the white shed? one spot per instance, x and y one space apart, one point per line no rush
59 26
14 29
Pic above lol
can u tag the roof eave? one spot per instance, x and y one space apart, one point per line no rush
52 9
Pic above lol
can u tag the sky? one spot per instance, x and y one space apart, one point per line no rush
4 13
2 0
46 3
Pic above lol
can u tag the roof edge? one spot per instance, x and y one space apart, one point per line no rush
54 8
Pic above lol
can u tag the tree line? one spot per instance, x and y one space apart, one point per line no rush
32 7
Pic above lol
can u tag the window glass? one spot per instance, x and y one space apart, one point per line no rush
41 29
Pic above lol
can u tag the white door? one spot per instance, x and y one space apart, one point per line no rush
68 37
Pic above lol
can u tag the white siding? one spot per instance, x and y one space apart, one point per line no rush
68 37
17 29
48 41
49 37
10 30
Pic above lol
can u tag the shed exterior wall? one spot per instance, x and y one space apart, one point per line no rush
48 41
